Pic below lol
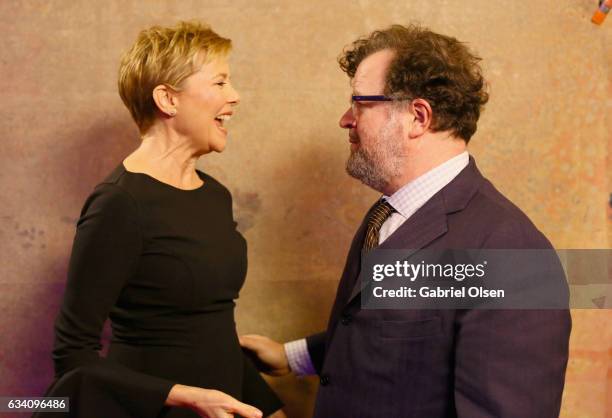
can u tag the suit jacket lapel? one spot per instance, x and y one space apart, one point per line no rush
349 275
427 224
353 264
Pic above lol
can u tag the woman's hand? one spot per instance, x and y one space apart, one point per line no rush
209 403
268 355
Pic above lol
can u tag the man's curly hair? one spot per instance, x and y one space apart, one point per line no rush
427 65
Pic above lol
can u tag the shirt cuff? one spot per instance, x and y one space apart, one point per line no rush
299 358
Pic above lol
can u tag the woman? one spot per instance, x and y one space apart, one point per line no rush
157 251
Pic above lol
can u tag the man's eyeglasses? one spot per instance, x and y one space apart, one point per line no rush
375 98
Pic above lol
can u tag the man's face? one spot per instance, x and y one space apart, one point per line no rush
375 128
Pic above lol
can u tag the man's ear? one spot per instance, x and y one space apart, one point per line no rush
166 100
421 117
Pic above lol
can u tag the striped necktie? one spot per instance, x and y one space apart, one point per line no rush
377 218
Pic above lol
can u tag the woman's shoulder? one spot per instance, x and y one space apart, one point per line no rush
111 195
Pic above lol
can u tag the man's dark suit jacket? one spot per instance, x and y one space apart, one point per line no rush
444 363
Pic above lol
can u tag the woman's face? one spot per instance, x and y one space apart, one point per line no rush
204 104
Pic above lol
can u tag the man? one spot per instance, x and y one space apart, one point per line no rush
417 96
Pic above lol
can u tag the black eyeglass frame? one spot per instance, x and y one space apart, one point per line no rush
376 98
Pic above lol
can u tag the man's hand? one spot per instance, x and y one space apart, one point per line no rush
268 355
209 403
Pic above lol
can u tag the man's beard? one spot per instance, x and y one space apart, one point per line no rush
377 164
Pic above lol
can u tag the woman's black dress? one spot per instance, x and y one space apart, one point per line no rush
165 265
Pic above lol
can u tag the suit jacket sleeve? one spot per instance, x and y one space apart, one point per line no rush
316 350
105 254
511 363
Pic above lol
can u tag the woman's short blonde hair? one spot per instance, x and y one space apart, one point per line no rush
164 56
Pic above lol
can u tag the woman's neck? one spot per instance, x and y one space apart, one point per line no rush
170 160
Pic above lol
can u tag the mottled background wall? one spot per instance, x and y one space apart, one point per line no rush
544 140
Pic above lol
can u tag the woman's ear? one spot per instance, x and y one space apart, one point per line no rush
165 99
421 117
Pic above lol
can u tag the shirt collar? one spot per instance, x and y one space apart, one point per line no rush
410 197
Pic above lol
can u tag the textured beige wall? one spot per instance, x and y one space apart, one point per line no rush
543 140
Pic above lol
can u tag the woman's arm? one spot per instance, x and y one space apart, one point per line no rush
105 254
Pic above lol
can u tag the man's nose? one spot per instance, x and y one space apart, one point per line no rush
347 121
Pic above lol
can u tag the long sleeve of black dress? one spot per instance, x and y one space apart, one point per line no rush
105 254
